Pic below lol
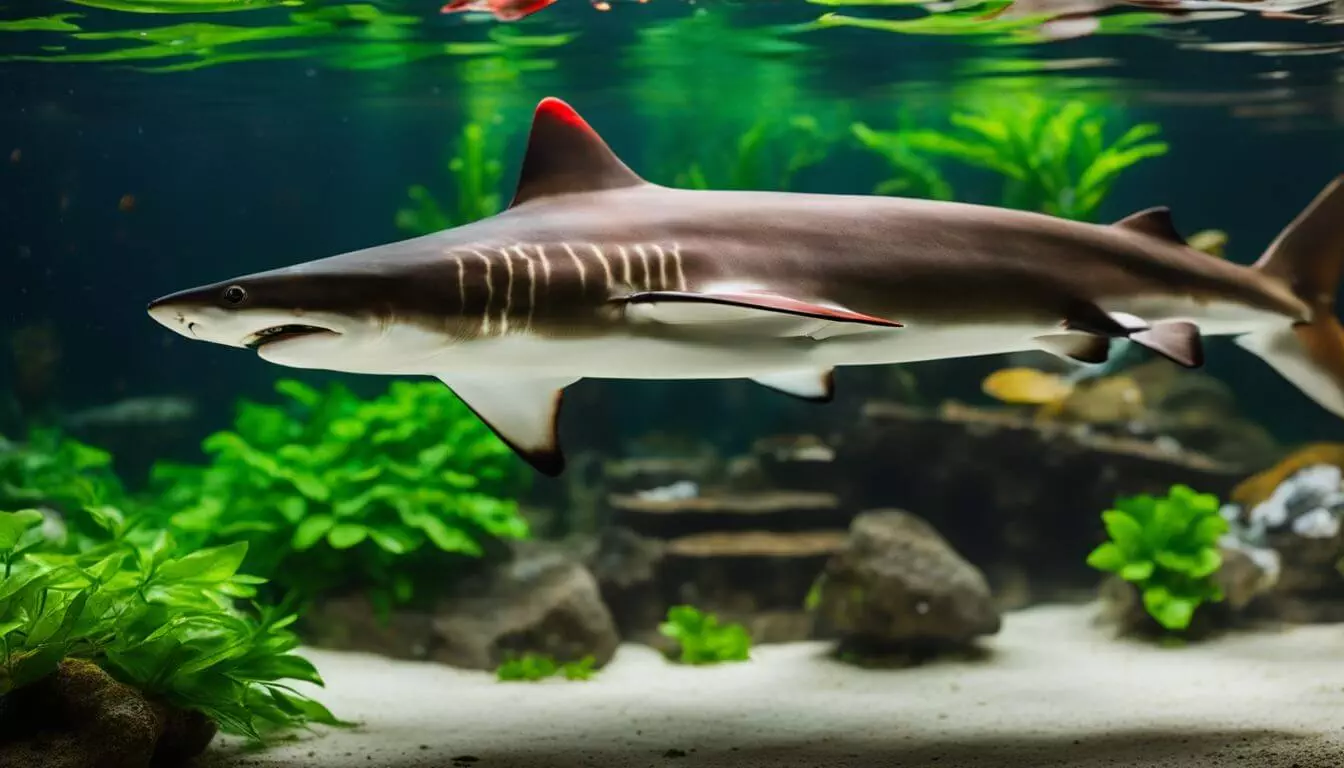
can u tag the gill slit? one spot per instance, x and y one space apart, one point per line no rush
489 293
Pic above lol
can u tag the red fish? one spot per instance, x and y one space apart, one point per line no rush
504 10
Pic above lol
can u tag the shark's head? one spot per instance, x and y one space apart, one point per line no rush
316 315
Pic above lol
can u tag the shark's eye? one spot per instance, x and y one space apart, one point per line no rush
234 294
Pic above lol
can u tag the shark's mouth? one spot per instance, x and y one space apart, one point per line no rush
283 333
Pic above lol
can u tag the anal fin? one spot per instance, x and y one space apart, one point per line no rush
524 413
817 386
1176 340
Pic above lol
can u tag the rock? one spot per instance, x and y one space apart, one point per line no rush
626 567
898 584
634 475
796 463
79 717
540 602
1009 491
350 623
1296 510
780 511
743 574
1200 412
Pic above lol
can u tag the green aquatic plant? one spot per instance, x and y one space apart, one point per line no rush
702 639
1168 549
335 492
531 667
766 156
50 470
1053 155
153 615
478 176
755 73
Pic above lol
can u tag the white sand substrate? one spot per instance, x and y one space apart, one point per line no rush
1054 691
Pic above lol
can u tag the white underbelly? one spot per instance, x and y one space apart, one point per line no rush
642 357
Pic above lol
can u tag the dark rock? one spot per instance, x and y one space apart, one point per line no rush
1009 491
186 734
79 717
743 573
780 511
540 602
797 463
634 475
626 567
898 583
350 623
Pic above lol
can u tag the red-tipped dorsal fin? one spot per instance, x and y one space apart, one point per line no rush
565 155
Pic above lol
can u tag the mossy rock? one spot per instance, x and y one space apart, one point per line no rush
80 717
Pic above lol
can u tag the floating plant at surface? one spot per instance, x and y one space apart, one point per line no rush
335 492
531 667
155 617
702 639
1168 549
1054 155
352 36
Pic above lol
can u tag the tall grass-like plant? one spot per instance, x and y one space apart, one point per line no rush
1060 157
335 492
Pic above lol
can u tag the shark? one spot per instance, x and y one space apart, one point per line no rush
594 272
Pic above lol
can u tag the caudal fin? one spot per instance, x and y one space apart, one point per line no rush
1309 257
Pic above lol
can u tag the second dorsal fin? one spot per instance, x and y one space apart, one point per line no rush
565 155
1155 222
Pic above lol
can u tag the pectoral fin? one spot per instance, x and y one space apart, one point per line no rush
524 413
816 386
707 308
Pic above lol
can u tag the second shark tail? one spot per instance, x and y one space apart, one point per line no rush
1308 256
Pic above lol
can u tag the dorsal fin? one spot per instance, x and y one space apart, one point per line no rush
565 155
1155 222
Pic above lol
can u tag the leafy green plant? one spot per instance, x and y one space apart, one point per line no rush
333 491
1168 549
155 617
50 470
703 640
535 666
1053 155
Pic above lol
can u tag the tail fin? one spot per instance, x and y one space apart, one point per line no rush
1308 256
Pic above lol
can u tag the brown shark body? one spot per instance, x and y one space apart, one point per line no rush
593 272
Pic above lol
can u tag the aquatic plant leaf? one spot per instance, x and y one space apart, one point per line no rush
57 23
1172 612
184 6
346 535
1124 530
1137 571
311 531
15 524
213 564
